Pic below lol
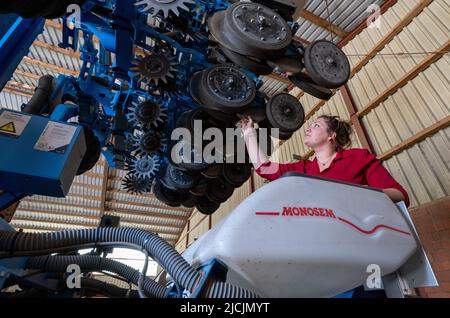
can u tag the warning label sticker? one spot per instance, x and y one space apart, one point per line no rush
13 124
56 138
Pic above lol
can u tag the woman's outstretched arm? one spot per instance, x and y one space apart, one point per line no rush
257 156
263 166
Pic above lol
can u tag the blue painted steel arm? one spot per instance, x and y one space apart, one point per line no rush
63 112
9 198
16 37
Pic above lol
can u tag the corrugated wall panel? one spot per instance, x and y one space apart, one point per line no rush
369 37
198 225
424 168
388 66
259 182
181 244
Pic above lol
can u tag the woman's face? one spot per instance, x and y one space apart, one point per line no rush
316 134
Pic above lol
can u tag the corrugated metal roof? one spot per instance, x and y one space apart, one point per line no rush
346 14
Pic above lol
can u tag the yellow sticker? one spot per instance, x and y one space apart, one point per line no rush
12 123
9 127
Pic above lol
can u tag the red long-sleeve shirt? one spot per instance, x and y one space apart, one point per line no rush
357 166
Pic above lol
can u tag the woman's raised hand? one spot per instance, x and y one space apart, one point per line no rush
246 123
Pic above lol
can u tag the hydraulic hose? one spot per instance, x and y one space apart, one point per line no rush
89 263
95 286
13 244
40 96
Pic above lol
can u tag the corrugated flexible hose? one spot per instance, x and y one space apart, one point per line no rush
40 96
89 263
13 244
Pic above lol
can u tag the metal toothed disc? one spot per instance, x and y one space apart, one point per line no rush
149 143
137 185
146 113
130 143
164 6
145 167
154 67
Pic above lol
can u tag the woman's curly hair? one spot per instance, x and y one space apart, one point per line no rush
342 129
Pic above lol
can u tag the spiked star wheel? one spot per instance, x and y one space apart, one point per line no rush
155 6
145 114
144 167
153 68
137 185
148 143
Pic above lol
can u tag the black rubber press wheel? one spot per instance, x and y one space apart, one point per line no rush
178 179
206 206
168 196
92 154
236 174
226 88
327 64
285 112
219 190
251 29
308 86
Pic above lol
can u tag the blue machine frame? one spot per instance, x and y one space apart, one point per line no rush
102 94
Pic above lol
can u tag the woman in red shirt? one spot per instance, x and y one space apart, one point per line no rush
327 136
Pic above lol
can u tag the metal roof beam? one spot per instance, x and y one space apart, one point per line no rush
147 213
27 74
146 205
53 67
16 91
66 52
323 23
